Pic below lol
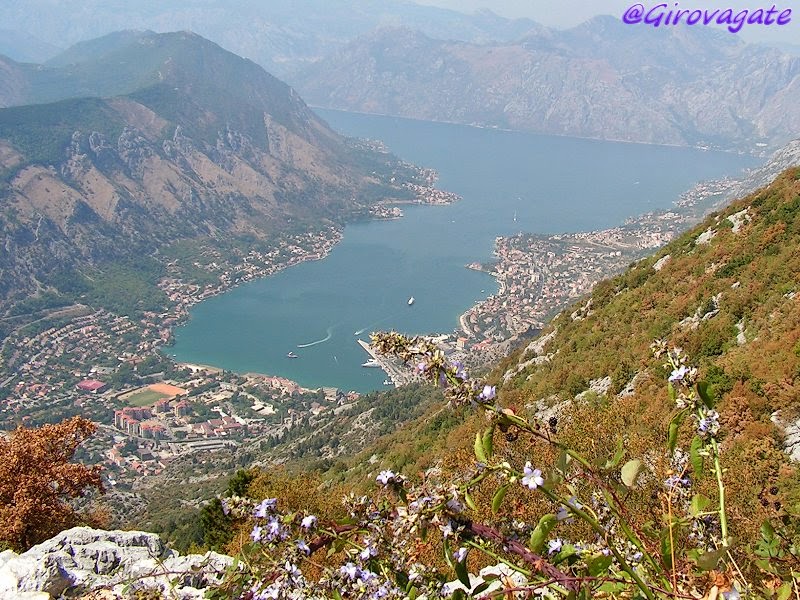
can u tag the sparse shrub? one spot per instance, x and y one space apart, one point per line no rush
555 522
37 480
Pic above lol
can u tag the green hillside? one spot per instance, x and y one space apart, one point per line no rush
728 296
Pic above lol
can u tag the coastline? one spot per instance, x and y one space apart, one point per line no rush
321 246
759 153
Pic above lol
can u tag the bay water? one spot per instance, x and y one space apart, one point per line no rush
509 181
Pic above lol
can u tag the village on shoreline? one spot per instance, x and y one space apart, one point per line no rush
109 368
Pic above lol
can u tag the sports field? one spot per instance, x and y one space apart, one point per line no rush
148 395
145 397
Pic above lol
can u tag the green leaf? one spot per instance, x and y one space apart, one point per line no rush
698 505
666 548
672 437
497 500
542 532
448 556
785 591
479 453
708 560
463 575
767 531
488 442
337 595
402 580
412 593
481 588
614 461
673 395
705 395
598 564
630 472
563 462
674 427
695 456
469 501
766 565
567 551
459 594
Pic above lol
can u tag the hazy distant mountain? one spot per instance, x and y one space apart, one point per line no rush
602 79
207 145
278 35
24 47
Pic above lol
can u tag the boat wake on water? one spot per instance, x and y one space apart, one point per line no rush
322 341
378 322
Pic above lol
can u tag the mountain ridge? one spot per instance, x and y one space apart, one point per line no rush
209 144
678 87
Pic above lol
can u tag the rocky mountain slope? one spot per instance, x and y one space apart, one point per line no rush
602 79
173 138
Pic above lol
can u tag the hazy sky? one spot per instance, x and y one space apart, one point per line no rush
566 13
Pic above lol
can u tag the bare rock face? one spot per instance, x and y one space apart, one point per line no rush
82 560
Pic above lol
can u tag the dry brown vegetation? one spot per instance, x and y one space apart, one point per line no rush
37 479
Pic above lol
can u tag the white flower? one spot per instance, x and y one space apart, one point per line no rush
308 522
385 477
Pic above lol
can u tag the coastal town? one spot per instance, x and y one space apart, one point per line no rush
539 275
111 368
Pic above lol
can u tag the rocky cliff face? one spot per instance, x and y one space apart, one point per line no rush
602 80
208 145
82 559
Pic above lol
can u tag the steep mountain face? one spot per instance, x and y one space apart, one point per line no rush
602 80
280 36
206 145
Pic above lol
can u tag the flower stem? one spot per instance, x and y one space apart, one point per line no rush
723 518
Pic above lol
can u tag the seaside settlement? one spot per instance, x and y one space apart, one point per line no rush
108 368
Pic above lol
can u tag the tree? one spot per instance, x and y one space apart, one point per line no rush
37 479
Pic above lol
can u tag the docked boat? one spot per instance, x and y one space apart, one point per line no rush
292 355
371 363
411 301
387 382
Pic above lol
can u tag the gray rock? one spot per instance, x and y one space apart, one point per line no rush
83 559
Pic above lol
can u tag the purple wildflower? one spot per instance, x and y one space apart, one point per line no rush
532 477
461 554
488 393
554 546
256 533
679 373
266 505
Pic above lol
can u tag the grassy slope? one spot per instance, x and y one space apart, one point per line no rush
628 312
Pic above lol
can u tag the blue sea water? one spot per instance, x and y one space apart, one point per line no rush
510 182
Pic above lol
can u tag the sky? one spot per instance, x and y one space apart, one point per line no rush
567 13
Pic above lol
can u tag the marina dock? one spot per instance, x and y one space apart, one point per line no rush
397 375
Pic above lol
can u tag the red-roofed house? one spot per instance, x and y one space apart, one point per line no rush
92 386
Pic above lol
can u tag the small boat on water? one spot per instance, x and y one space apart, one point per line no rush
387 382
411 301
292 355
371 363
